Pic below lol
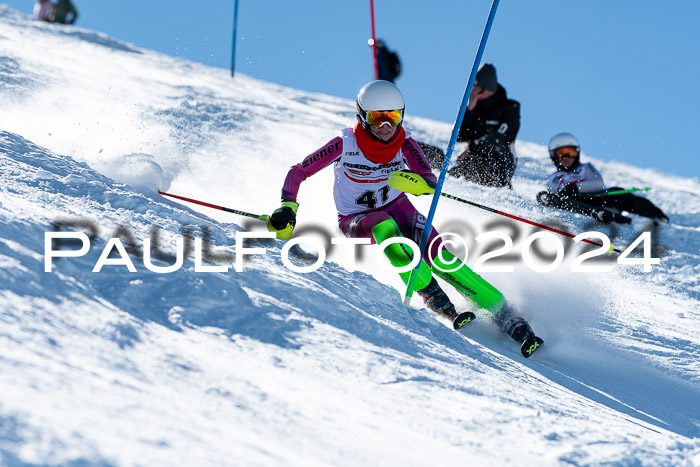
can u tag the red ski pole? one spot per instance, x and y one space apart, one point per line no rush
409 182
262 217
511 216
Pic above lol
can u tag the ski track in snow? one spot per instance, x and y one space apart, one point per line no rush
272 367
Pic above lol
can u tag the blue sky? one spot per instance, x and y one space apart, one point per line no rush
619 75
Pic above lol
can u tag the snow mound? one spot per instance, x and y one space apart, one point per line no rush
140 171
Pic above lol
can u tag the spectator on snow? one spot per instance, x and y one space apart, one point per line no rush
42 9
388 69
364 158
388 63
490 126
63 13
579 187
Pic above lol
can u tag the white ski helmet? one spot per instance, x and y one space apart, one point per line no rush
378 95
562 140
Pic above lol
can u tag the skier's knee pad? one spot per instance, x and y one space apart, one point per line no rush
467 282
385 229
400 254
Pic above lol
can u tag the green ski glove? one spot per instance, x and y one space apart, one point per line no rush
283 220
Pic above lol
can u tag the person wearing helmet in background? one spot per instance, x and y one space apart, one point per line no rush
364 158
579 187
490 126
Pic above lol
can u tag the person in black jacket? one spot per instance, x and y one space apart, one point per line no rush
388 63
64 12
490 126
388 69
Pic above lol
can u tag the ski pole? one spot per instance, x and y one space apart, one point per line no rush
622 192
374 39
414 184
262 217
233 40
511 216
450 147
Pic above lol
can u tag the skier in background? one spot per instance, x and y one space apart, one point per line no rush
63 12
388 63
579 187
364 157
42 9
490 126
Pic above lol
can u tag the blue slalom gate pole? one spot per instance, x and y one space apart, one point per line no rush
233 41
450 148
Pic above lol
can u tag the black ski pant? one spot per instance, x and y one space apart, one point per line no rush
628 202
589 205
435 155
488 164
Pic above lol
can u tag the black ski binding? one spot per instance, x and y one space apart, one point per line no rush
463 319
530 345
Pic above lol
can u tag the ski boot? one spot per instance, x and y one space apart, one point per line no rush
437 301
518 329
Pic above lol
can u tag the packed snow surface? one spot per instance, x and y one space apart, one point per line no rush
204 365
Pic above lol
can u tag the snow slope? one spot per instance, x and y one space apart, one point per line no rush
271 367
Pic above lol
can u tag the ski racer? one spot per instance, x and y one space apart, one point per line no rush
579 187
363 157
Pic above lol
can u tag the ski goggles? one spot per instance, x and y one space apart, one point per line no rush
377 118
566 151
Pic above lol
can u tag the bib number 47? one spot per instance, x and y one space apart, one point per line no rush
369 198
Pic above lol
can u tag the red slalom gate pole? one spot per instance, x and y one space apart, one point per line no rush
374 39
511 216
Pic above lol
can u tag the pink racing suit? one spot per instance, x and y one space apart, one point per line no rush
362 195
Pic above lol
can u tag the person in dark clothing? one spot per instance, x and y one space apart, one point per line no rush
63 12
388 69
433 154
388 63
579 187
490 126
